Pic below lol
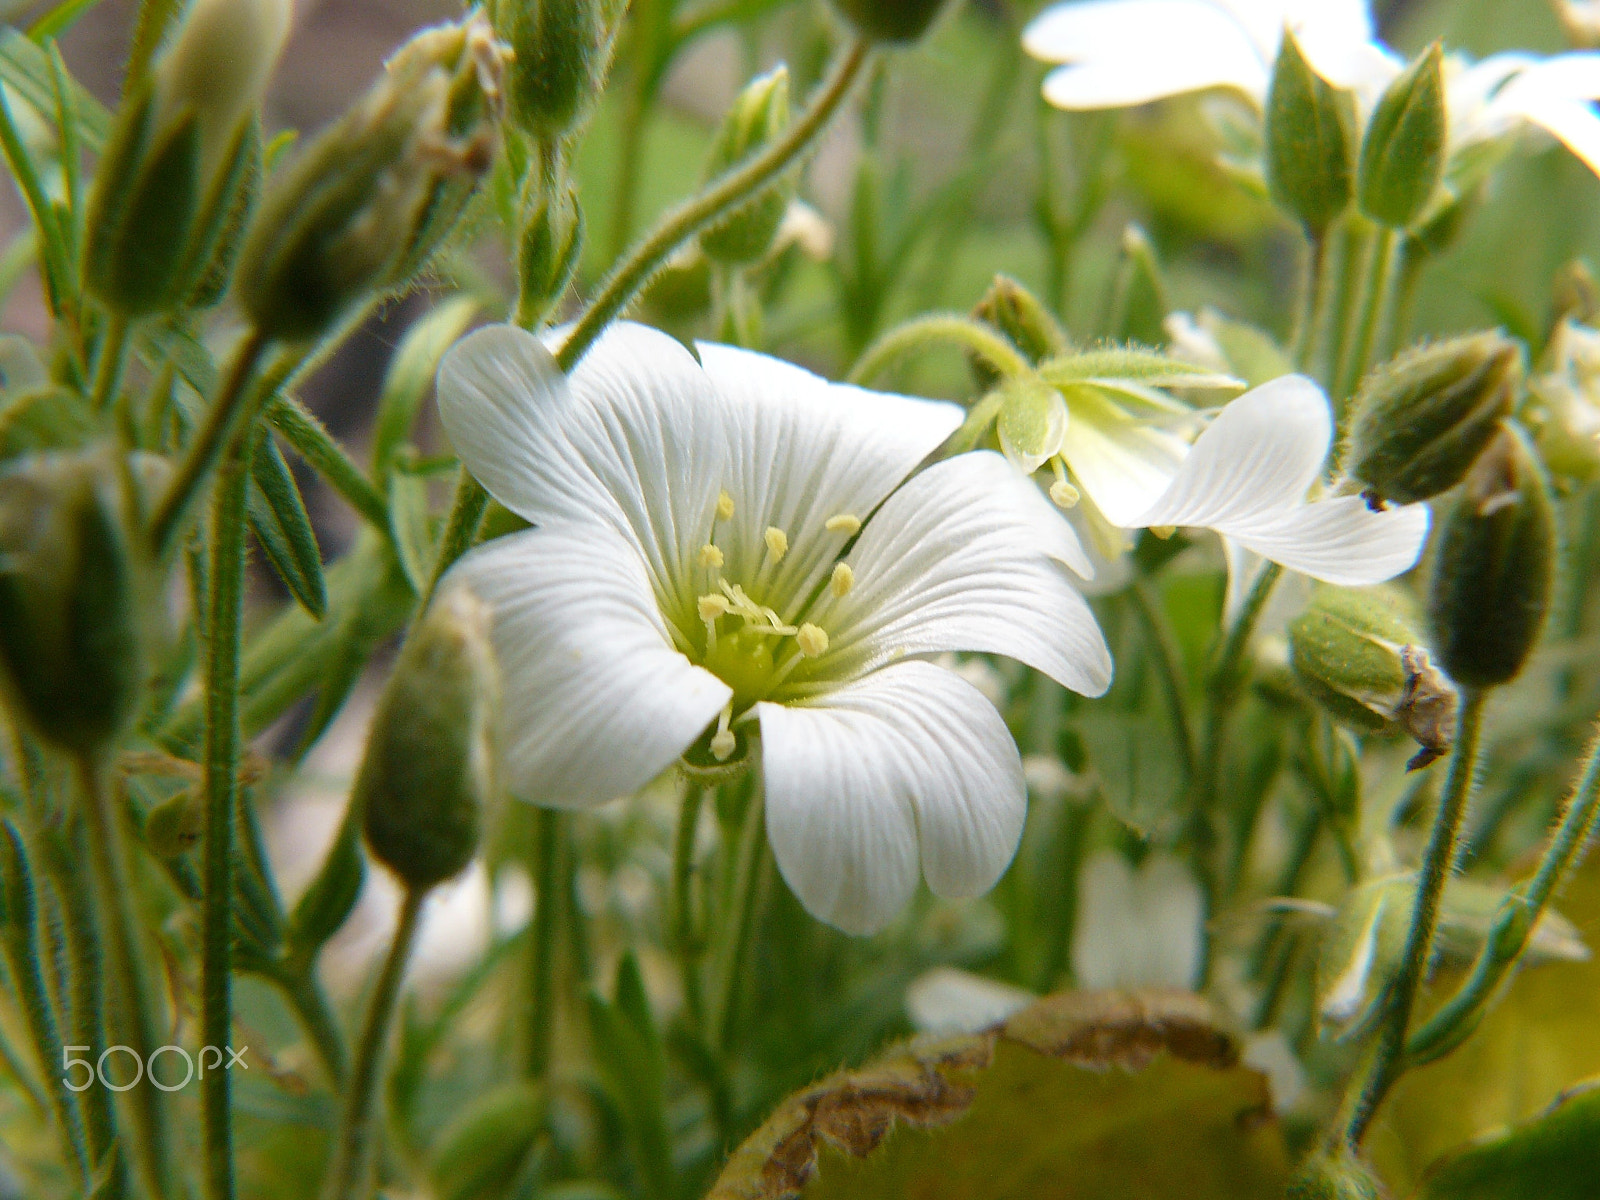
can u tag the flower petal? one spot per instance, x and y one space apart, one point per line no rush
637 436
809 450
596 700
1258 458
856 780
1338 540
1123 463
967 555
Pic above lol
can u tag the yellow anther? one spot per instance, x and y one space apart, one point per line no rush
710 556
713 606
812 640
1163 531
843 579
843 523
1064 494
724 506
723 742
777 543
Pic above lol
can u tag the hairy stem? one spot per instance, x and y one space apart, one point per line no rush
946 328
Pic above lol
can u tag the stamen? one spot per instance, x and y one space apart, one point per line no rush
1163 531
713 606
843 579
711 557
777 543
724 506
1061 492
723 742
843 523
812 640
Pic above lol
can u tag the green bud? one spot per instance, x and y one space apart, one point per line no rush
1031 423
1495 567
1422 420
71 586
1139 293
562 52
1016 312
1310 135
1403 152
1334 1176
429 765
895 21
181 153
552 240
1355 652
370 199
758 117
681 293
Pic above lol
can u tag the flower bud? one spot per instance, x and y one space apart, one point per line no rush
547 256
758 117
1017 313
1334 1175
1310 135
429 764
372 197
1361 951
1495 567
183 150
1031 423
562 53
1403 152
1422 420
1357 655
70 600
1563 410
897 21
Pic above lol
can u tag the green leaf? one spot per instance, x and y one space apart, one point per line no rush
1114 365
1310 133
331 896
25 66
278 516
631 1061
411 372
1139 777
1139 303
1403 152
59 19
482 1153
1556 1157
1082 1096
412 526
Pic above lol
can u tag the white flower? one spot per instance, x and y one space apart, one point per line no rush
1118 53
1137 928
1247 476
695 580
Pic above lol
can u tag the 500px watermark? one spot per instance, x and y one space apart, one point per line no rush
88 1071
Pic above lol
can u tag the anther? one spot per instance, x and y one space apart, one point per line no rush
843 523
777 543
713 606
1163 531
723 742
812 640
724 506
1062 493
710 556
843 579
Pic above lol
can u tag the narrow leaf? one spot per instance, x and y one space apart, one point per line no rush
278 516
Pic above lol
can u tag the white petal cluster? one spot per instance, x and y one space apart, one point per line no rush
735 545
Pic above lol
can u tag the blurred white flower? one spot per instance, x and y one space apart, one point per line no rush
1137 928
1118 53
948 1000
696 579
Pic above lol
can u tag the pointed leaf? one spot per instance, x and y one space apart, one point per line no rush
278 517
411 372
412 526
1556 1157
1132 364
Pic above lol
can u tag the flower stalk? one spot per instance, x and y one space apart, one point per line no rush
940 328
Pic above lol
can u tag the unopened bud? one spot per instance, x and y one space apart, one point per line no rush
1334 1175
562 54
181 158
1139 293
70 600
1356 653
1495 567
1310 136
371 198
1423 419
1017 313
896 21
757 119
1403 152
429 766
1031 423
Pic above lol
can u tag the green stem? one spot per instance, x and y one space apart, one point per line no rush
310 1006
134 1018
1313 300
542 949
949 328
349 1173
466 514
301 429
728 191
109 366
746 889
1413 259
1355 239
1375 304
1163 643
1388 1058
225 417
1514 923
684 939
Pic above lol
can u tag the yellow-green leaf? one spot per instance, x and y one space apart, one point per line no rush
1556 1157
